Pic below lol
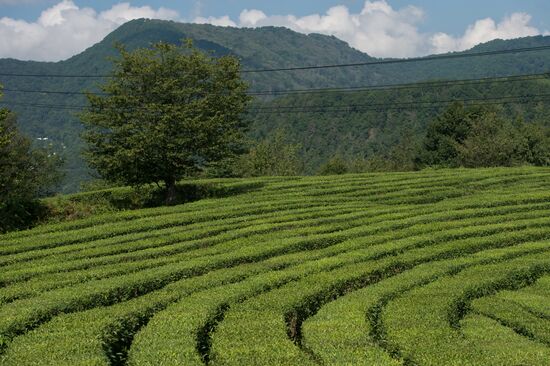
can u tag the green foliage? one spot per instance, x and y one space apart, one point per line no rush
400 157
334 166
448 325
490 141
480 137
26 173
447 132
534 144
167 114
274 156
389 139
522 319
85 204
301 270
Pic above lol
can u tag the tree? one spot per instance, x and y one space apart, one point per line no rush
273 156
482 137
492 141
26 173
534 144
167 112
446 133
336 165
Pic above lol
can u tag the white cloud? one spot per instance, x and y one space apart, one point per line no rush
123 12
378 29
249 18
484 30
224 21
65 29
54 15
382 31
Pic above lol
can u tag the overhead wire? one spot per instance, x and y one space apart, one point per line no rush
464 100
412 85
302 109
397 107
509 99
319 67
405 60
383 87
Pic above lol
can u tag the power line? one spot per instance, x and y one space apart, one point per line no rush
68 76
519 99
352 106
415 85
397 107
384 87
34 91
45 105
406 60
330 66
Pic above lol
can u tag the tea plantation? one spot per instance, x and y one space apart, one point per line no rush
439 267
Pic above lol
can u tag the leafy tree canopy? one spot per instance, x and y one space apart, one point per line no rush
166 113
480 137
26 173
335 166
273 156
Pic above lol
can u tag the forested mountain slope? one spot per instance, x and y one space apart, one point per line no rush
258 49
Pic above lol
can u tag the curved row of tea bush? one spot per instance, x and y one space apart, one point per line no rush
356 269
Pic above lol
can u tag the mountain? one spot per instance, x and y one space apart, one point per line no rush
259 48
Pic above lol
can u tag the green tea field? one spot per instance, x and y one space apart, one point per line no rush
438 267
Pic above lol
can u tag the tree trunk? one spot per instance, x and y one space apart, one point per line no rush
171 192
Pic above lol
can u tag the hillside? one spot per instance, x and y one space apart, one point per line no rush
257 48
427 268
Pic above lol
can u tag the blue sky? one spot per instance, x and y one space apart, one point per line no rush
56 29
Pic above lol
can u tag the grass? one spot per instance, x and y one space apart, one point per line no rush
428 268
